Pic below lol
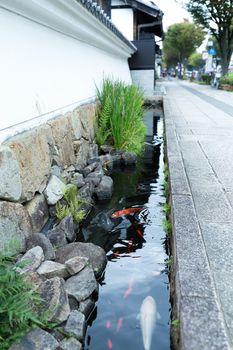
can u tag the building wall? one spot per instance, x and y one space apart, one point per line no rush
144 78
123 19
43 69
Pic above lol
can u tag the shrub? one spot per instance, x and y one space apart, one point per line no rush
18 304
73 206
227 79
120 116
206 78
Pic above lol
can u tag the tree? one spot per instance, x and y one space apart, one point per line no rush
217 16
181 40
196 61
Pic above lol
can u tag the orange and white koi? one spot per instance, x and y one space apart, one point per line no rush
126 211
119 324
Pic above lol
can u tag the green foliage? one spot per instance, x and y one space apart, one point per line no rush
175 322
169 262
73 206
217 17
167 226
181 40
167 208
227 79
18 304
196 60
206 78
120 116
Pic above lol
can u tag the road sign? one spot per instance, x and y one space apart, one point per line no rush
212 51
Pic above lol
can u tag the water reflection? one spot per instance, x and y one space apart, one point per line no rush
134 244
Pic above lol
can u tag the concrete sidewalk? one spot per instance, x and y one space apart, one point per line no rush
199 131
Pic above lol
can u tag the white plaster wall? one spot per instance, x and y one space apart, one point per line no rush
123 19
145 80
42 70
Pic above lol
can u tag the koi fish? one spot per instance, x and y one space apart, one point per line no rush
129 289
139 232
129 246
119 324
148 316
108 324
126 211
109 344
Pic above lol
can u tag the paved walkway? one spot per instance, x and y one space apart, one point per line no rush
199 130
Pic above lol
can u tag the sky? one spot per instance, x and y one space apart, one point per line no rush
173 12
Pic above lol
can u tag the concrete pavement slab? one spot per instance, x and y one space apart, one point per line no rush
199 129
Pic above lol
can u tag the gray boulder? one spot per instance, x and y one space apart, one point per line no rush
54 190
129 158
55 300
86 191
95 254
67 226
78 180
31 260
86 307
15 226
88 169
39 239
50 269
93 150
107 162
36 339
81 285
76 325
38 211
105 188
70 344
76 264
57 237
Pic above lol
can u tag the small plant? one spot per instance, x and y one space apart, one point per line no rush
167 208
18 304
175 322
73 206
120 116
206 78
169 262
167 226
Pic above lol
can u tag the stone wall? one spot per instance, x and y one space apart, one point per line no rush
27 162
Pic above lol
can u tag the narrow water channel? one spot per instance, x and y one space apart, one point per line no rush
136 249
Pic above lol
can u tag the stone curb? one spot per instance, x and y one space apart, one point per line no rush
195 301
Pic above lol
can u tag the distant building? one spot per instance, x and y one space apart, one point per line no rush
140 22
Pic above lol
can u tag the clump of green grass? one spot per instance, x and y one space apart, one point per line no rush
73 206
19 302
120 116
166 208
167 226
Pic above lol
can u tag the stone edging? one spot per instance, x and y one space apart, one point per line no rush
195 302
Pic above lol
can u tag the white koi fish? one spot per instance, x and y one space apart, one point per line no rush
148 316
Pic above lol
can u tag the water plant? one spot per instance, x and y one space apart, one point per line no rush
167 226
19 302
120 116
73 206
